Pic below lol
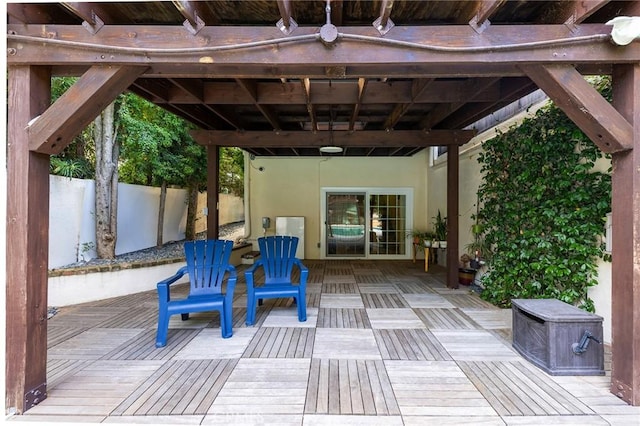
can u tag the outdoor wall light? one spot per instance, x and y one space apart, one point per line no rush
331 149
625 29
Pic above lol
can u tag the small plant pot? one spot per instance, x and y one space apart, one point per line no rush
427 243
435 244
443 244
466 275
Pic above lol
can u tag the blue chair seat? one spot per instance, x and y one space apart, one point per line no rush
277 258
207 265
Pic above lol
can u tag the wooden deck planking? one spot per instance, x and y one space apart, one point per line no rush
133 318
469 301
59 334
413 344
411 286
93 343
383 300
109 367
475 345
178 387
59 369
339 386
264 386
343 318
340 288
435 388
371 279
446 319
85 316
273 342
96 389
516 390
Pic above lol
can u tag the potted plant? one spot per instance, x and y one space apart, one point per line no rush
466 270
428 239
418 237
478 250
440 227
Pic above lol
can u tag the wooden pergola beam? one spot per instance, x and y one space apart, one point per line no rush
52 131
304 139
596 117
589 43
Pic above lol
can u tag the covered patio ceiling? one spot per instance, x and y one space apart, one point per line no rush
377 78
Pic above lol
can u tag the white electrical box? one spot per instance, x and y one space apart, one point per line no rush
292 226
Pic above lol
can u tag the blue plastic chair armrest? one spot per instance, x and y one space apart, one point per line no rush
248 274
304 271
163 286
231 283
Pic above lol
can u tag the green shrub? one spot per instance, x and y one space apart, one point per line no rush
543 208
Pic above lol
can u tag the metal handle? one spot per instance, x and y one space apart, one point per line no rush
581 347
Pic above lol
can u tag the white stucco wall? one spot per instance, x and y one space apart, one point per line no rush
291 187
72 218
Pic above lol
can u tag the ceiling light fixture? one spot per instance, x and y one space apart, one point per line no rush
331 149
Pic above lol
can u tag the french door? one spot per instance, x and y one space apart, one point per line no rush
366 223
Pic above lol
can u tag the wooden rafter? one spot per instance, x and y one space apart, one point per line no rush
605 126
417 88
306 87
364 138
362 86
94 16
195 88
441 112
582 9
510 90
251 88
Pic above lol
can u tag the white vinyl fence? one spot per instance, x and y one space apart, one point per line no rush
72 218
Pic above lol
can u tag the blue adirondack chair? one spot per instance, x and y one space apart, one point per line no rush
207 263
277 258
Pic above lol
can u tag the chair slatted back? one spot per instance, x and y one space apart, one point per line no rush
207 262
278 254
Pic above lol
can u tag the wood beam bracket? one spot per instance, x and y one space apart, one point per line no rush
35 396
479 26
383 23
95 26
194 29
287 29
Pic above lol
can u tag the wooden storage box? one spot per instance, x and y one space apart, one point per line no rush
547 332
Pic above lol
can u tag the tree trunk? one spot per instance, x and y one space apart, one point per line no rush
107 151
163 201
192 209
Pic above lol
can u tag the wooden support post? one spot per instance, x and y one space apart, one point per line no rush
29 90
213 168
453 165
625 374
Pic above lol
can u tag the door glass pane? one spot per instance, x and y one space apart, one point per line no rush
345 224
388 224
